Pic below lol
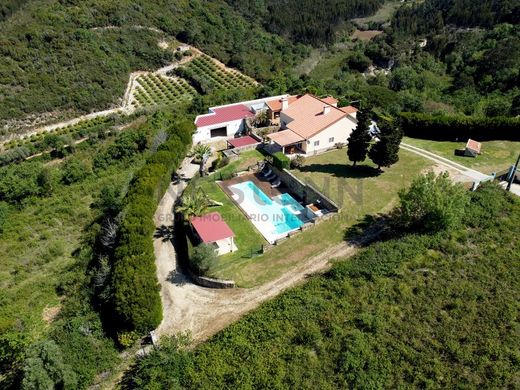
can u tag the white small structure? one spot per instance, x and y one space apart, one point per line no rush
182 48
212 229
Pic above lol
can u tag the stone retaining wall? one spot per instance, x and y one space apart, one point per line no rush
305 191
205 281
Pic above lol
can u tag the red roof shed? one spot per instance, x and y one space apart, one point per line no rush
211 227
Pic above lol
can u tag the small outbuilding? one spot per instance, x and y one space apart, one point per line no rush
213 230
472 148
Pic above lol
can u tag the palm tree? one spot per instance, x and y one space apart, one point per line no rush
192 205
200 150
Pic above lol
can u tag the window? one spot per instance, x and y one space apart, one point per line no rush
331 140
316 143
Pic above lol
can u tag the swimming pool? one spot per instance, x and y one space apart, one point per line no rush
274 218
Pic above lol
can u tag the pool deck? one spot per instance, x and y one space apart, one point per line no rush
260 182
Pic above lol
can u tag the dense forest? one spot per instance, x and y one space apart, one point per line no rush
414 311
311 22
432 15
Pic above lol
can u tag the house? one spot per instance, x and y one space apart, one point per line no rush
472 148
223 121
228 121
213 230
310 125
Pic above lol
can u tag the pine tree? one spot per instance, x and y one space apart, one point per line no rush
359 140
385 152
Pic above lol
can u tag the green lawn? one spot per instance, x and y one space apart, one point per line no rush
356 190
496 155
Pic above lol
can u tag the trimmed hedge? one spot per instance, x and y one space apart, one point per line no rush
457 128
135 300
281 161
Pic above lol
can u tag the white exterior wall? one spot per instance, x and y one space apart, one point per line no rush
203 134
340 131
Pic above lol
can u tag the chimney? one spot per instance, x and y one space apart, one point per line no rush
326 109
285 103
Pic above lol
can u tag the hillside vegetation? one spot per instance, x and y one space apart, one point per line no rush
59 56
416 311
312 22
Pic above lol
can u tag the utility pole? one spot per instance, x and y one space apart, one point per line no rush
513 174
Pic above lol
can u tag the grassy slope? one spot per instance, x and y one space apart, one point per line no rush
38 244
417 312
383 14
355 191
496 155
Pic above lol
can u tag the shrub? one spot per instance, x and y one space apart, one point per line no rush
73 171
297 162
203 259
281 161
432 203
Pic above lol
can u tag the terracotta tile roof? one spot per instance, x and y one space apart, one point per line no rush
349 109
276 104
285 137
473 145
308 117
223 115
211 227
330 100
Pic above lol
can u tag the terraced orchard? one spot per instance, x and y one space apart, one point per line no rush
205 74
154 89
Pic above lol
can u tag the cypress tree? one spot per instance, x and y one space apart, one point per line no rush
359 140
385 152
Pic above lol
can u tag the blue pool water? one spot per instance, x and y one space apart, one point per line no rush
272 217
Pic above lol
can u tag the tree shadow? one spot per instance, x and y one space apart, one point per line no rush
164 232
343 170
177 277
369 229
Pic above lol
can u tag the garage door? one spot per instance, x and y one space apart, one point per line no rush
219 132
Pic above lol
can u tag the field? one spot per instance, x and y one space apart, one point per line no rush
365 36
208 73
496 155
357 191
160 90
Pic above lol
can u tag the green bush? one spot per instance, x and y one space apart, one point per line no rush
74 170
203 259
298 161
431 203
281 161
